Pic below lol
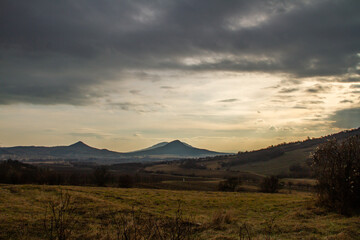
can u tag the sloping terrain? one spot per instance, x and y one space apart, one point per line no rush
283 158
277 165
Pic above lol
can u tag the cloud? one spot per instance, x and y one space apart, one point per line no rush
135 92
61 52
318 89
288 90
137 135
136 107
346 118
166 87
312 102
355 86
300 107
272 128
230 100
355 78
346 101
83 134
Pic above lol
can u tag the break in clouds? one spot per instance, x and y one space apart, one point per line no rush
75 52
57 52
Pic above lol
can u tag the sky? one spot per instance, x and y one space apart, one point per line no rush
223 75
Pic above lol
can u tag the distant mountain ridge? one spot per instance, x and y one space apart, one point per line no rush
175 148
81 151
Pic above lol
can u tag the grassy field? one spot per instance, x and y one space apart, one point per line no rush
213 215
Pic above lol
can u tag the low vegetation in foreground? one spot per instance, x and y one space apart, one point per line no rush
69 212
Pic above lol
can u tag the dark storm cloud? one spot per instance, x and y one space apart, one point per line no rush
61 51
346 118
351 79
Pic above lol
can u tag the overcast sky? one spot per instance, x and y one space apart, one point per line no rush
222 75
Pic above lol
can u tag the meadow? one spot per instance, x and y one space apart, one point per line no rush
25 212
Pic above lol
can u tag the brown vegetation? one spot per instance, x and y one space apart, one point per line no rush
337 169
110 213
270 184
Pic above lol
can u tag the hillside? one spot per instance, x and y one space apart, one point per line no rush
281 159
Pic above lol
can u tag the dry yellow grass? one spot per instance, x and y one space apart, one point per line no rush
286 216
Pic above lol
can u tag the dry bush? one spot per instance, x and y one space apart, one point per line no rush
270 228
101 176
245 231
337 169
59 220
137 225
230 184
220 218
270 184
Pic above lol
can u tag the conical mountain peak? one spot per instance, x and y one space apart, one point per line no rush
179 143
79 144
176 142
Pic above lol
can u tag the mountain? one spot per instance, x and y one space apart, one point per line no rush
175 148
77 150
152 147
81 151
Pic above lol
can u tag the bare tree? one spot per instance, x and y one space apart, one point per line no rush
101 176
337 169
270 184
59 219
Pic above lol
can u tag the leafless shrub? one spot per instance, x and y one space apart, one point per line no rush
270 228
270 184
178 227
230 184
220 218
245 231
137 225
337 169
23 231
101 176
59 220
290 184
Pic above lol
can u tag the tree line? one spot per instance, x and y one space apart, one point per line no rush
16 172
